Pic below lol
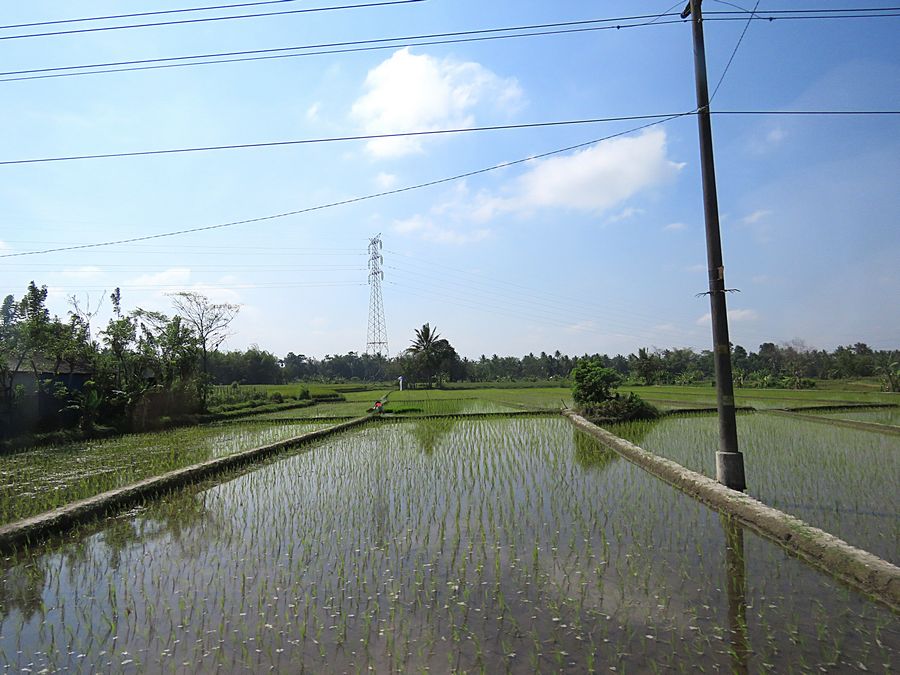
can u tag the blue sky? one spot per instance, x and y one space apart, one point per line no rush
595 250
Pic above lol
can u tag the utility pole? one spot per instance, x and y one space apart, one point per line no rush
729 460
376 343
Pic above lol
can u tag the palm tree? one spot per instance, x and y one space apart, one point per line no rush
425 341
430 353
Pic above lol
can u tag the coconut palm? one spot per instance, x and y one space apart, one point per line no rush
431 353
426 337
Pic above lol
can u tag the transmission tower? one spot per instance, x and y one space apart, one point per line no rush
376 343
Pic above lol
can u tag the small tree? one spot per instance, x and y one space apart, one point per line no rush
593 383
433 357
593 390
209 322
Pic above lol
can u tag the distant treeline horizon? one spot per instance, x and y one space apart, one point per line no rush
790 365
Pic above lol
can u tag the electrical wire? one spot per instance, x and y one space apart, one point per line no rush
768 16
467 302
109 17
345 47
230 286
157 24
333 139
733 53
373 45
821 10
528 302
432 132
486 285
351 200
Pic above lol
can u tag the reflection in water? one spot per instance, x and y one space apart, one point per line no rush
26 576
736 583
21 588
590 454
429 431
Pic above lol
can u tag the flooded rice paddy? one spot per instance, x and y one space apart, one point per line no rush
508 545
37 480
841 480
890 416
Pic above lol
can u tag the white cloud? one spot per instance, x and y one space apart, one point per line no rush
776 135
735 315
674 227
765 141
83 272
429 230
756 216
694 269
385 181
595 179
220 293
410 92
624 214
167 279
312 112
586 325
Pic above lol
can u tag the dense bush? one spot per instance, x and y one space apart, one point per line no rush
593 390
592 383
621 409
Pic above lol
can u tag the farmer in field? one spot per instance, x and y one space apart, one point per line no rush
378 407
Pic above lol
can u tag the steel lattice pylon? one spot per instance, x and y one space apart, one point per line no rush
376 340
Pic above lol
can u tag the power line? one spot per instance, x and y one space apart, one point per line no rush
769 16
733 53
343 47
373 45
589 325
333 139
157 24
352 200
157 287
821 10
526 301
433 132
487 285
109 17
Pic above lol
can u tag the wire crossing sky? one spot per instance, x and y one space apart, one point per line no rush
532 167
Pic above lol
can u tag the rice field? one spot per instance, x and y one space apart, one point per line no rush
841 480
434 402
536 398
40 479
508 545
340 409
890 416
704 396
441 406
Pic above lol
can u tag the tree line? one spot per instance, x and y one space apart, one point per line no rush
144 365
432 360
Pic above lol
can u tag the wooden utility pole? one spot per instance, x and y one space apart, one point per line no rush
729 460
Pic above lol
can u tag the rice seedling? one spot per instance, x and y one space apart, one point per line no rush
890 416
40 479
841 480
505 544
